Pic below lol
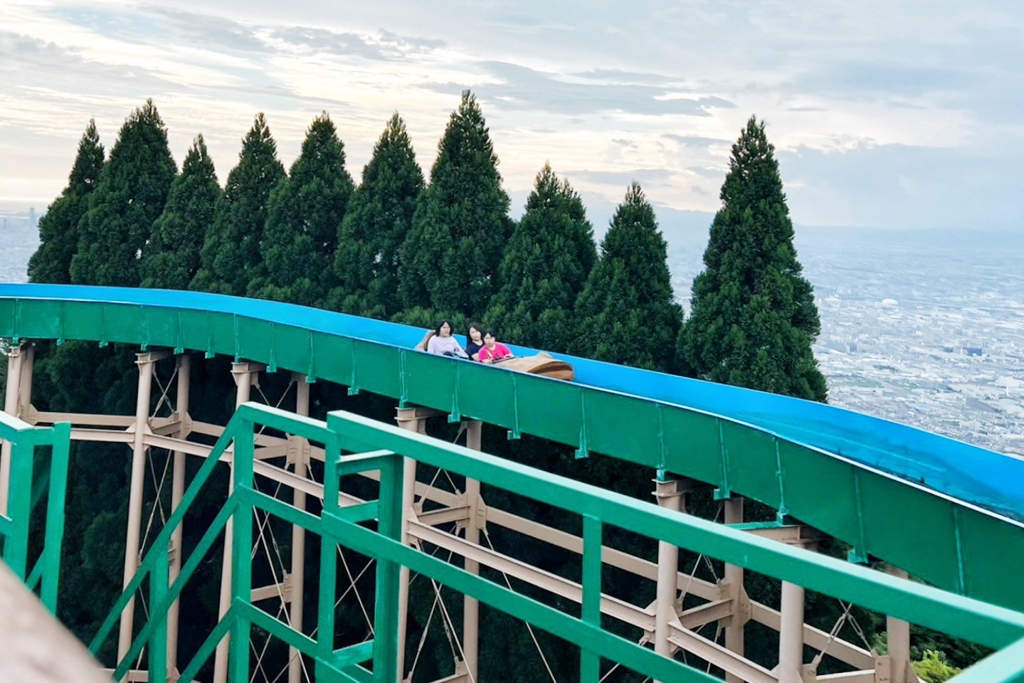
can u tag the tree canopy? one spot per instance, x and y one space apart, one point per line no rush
231 251
545 266
376 224
305 211
129 197
171 259
58 228
451 257
754 319
627 313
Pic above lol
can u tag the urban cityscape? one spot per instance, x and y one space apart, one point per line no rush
922 328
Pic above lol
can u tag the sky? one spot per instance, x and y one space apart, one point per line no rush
895 115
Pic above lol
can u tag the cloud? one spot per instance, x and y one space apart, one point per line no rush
695 140
858 79
40 66
902 186
209 31
619 76
386 46
710 173
623 178
522 88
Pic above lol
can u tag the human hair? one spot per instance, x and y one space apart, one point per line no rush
490 333
451 328
474 326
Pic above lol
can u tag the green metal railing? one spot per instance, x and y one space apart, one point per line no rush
15 525
381 448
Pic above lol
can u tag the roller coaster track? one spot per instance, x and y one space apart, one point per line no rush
944 511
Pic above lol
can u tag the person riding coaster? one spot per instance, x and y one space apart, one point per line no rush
441 342
494 351
444 344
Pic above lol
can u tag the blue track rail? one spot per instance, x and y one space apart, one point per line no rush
963 472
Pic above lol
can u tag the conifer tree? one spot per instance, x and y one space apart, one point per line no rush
58 229
130 196
754 318
546 264
376 225
626 313
171 259
305 211
231 251
451 257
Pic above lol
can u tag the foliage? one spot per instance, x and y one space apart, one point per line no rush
171 259
626 313
231 250
545 266
394 249
130 196
58 228
304 214
934 668
378 219
754 319
451 257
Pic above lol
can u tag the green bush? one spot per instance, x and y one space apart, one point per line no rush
934 668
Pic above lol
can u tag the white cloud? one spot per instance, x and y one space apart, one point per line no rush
843 86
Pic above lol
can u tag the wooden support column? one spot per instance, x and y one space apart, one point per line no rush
245 375
147 366
11 398
898 633
471 607
791 634
734 629
177 491
297 576
670 495
413 420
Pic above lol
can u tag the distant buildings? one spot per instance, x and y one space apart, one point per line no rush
18 220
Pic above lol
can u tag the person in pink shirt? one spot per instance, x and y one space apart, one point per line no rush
494 351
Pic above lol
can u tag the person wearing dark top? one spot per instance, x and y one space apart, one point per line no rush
474 341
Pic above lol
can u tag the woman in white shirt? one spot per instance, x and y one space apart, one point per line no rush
444 344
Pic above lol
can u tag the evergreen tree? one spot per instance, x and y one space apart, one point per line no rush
130 196
171 259
58 229
754 318
305 212
546 264
451 257
376 224
231 251
626 312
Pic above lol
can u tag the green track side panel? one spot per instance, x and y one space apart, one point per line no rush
946 542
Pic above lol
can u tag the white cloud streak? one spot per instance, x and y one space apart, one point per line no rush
863 100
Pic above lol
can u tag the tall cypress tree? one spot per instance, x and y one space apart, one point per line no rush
754 318
58 229
626 313
377 222
171 259
546 264
231 251
451 257
129 197
305 212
